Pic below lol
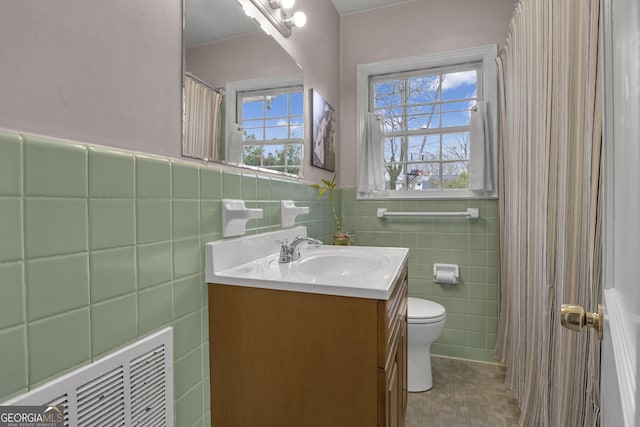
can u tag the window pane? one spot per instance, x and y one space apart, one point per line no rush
296 102
423 89
280 132
392 119
455 175
426 176
252 134
424 147
296 131
252 109
459 106
276 122
251 155
393 150
277 105
388 94
459 85
252 123
394 177
423 117
414 176
455 146
455 119
294 154
273 155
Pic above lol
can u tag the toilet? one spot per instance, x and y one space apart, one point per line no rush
426 320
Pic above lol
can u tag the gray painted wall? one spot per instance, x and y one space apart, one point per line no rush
109 72
240 58
102 72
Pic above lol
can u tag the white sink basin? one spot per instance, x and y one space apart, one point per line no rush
358 271
338 262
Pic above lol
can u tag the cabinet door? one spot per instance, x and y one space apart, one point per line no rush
402 370
393 395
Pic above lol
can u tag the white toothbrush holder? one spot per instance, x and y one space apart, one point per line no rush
289 211
235 216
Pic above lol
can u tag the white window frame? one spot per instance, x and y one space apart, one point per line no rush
254 85
486 55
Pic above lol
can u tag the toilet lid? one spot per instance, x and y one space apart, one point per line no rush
422 309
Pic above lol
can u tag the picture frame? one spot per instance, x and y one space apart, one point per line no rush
323 147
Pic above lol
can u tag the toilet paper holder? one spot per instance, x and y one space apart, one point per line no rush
446 273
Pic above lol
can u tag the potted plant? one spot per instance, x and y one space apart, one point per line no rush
340 237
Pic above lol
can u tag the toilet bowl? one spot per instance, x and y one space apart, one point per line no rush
426 320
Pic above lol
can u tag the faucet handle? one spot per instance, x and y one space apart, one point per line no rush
283 242
285 256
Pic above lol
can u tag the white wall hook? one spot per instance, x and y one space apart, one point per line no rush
289 211
235 216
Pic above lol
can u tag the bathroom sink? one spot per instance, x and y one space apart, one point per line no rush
357 271
340 262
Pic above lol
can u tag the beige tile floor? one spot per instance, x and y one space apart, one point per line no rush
464 394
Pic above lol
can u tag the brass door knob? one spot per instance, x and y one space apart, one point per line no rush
574 317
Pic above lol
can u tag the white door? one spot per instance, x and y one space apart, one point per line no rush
621 234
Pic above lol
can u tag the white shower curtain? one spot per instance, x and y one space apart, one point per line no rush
550 209
203 107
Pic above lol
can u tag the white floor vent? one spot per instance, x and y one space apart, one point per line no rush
130 387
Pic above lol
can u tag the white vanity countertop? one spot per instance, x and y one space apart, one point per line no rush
353 271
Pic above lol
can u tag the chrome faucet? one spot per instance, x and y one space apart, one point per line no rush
290 253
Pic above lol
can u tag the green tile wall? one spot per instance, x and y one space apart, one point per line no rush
108 246
472 305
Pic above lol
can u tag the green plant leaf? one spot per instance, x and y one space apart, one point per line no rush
322 192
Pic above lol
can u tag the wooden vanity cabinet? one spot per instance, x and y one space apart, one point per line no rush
392 374
282 358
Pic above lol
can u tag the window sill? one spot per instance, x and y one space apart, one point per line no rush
420 195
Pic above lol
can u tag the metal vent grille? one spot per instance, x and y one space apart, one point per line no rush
130 387
147 389
61 402
101 401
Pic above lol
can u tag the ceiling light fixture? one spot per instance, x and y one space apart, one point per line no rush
284 4
278 14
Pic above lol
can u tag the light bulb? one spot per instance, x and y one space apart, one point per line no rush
299 19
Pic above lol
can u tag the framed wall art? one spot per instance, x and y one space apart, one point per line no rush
323 144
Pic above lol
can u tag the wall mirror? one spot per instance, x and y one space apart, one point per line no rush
243 93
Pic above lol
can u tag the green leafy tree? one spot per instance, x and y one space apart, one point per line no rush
251 155
462 181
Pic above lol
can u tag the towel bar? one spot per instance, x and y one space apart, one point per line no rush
471 213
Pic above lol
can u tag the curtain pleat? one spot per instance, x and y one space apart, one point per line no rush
550 208
203 112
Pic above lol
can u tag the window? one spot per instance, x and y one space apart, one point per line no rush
272 125
426 116
425 104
